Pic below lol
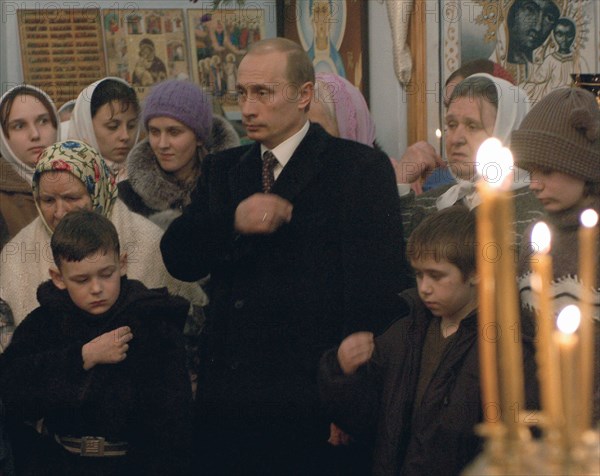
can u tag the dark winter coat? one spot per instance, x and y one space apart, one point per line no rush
157 195
377 402
144 400
278 301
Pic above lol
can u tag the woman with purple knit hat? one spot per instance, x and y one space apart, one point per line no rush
164 168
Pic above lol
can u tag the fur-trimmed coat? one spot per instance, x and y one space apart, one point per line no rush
157 195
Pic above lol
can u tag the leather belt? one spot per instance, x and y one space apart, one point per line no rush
94 446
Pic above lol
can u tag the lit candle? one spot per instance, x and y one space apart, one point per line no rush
494 166
566 338
488 327
588 235
438 134
486 256
546 355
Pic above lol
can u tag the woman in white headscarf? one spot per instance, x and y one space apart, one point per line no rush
29 124
481 106
106 117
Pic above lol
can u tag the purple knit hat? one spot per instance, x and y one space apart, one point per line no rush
183 101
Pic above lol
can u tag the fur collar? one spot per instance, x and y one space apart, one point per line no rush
159 190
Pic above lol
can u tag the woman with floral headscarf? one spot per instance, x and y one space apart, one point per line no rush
71 175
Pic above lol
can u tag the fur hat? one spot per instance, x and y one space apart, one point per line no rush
561 133
183 101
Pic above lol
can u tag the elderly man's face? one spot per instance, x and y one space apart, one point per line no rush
533 22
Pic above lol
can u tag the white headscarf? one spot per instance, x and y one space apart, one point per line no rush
24 170
81 127
513 106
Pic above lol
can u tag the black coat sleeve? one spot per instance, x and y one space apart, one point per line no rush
376 270
199 239
350 401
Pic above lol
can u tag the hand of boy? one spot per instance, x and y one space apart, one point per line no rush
108 348
355 350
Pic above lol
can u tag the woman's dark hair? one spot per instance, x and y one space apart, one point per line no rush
476 87
110 91
24 91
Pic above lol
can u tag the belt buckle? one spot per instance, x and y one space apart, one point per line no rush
92 445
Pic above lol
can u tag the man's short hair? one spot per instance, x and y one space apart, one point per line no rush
299 70
446 235
82 233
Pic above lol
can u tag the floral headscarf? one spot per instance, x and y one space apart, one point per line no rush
85 163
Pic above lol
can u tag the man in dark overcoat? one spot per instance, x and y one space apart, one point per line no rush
301 235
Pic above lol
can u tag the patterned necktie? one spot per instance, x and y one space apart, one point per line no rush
268 178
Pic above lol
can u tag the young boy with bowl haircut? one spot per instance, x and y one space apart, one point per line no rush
413 392
101 361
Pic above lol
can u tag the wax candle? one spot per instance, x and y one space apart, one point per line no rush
567 341
494 165
588 235
546 356
511 353
486 255
438 134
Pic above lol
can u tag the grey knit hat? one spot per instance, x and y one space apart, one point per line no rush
183 101
561 133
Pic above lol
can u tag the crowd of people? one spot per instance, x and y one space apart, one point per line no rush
184 304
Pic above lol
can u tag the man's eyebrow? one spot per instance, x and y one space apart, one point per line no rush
268 86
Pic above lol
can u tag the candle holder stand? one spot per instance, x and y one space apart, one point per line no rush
548 456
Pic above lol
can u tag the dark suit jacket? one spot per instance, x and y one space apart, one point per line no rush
278 301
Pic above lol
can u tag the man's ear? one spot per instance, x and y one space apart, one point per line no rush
473 279
305 95
123 263
57 278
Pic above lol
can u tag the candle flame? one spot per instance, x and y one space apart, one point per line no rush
589 218
568 320
494 162
438 133
541 237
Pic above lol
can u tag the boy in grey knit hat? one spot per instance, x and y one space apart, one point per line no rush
559 143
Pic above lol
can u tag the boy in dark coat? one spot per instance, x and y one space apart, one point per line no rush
102 362
414 390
